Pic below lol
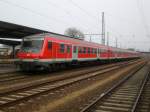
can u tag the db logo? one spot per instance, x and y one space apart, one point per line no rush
28 54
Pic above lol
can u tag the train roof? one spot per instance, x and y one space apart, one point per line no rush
68 39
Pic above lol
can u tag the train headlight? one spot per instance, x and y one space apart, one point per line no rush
28 54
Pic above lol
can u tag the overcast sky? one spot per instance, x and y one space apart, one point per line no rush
126 20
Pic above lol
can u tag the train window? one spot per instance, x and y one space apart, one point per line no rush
80 50
75 49
62 48
92 51
49 45
99 51
95 51
84 50
103 50
68 49
30 45
88 50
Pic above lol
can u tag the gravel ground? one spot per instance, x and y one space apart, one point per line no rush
43 77
7 68
76 99
70 99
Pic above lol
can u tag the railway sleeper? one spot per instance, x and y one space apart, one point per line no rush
131 94
116 104
122 98
119 101
112 109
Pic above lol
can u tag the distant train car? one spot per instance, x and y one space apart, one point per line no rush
49 50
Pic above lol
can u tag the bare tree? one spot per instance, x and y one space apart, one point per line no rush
75 33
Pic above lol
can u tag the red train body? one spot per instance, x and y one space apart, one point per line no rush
45 50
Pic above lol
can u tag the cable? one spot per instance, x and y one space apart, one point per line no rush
140 8
124 19
37 13
82 9
34 12
68 13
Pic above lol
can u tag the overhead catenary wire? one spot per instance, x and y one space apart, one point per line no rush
82 9
108 27
75 19
141 12
43 15
46 16
32 11
35 12
90 15
130 22
86 12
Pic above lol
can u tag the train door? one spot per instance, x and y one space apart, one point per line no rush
99 53
75 53
50 49
55 50
108 52
68 49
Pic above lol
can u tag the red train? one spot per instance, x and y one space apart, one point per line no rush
51 50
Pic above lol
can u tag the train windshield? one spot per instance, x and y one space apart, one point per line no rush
32 45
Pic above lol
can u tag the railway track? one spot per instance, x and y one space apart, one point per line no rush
24 94
131 94
7 68
144 100
19 78
11 76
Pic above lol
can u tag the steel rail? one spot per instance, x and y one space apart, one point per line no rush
68 77
140 93
91 105
47 91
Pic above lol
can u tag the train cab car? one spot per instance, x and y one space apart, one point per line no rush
43 51
31 51
46 51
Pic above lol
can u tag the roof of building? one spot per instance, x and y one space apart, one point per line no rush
15 31
11 30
